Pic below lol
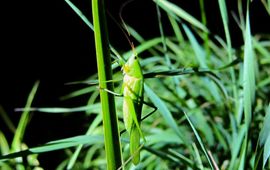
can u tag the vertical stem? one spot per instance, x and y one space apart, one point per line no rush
110 125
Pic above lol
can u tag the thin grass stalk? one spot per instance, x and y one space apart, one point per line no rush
175 81
110 125
225 21
20 131
205 34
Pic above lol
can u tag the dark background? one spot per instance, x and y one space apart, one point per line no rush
46 41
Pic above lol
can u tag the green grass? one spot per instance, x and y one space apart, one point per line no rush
218 119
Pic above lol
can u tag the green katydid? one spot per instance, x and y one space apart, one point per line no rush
133 92
132 103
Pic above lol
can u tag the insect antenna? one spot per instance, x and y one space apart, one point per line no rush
127 35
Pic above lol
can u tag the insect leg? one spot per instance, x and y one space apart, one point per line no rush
146 116
153 111
112 92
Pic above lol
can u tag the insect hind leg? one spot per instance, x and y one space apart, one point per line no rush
146 116
153 111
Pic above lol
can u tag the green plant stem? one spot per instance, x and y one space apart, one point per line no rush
110 125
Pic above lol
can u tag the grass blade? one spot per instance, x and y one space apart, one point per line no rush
249 74
197 157
172 8
79 92
80 14
263 146
266 151
16 143
199 53
225 21
162 108
4 147
200 142
57 145
93 108
7 120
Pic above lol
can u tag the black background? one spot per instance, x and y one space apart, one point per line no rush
46 41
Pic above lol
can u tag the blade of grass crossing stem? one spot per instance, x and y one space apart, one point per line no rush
110 124
172 8
200 142
18 137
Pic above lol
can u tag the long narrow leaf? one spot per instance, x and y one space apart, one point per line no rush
263 147
200 142
172 8
164 112
80 14
199 53
249 74
93 108
56 145
15 146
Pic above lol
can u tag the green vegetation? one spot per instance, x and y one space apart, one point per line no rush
212 100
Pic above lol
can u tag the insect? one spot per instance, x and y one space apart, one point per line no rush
133 100
132 103
132 90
